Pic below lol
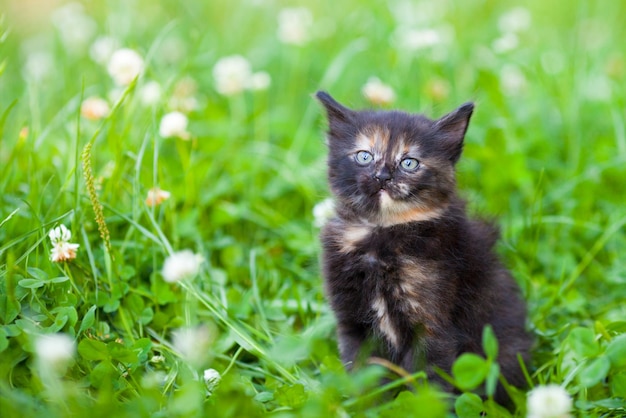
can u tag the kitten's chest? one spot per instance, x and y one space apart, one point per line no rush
385 255
386 276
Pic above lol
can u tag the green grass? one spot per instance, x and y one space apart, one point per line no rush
545 154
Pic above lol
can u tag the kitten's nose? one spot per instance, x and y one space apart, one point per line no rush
383 176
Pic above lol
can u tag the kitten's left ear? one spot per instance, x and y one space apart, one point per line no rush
453 127
335 110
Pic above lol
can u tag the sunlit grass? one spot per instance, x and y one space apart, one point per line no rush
545 155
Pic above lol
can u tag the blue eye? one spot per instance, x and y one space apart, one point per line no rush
363 158
410 164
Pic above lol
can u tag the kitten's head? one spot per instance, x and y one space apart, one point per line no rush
389 167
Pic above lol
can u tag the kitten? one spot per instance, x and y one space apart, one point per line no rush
409 277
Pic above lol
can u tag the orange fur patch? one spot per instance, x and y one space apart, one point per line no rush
396 212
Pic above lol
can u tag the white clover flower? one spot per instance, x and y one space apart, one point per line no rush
323 211
183 95
38 65
294 25
515 20
54 351
416 39
174 124
192 343
260 81
211 378
124 66
157 196
172 50
377 92
60 233
94 108
507 42
62 249
103 48
550 401
183 104
597 88
185 87
232 75
157 359
150 93
75 27
181 265
512 80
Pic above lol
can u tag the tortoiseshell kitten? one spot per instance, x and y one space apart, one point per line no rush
408 275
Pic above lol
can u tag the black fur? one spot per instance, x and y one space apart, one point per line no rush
408 275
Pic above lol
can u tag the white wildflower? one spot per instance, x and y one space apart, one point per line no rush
62 249
377 92
124 66
150 93
415 39
260 81
54 351
174 124
323 211
512 80
94 108
157 359
597 88
75 27
181 265
294 25
231 75
507 42
515 20
172 50
103 48
192 343
157 196
550 401
211 379
185 87
183 95
183 104
38 65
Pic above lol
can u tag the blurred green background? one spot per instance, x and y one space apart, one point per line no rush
545 156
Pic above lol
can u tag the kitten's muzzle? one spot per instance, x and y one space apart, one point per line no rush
383 176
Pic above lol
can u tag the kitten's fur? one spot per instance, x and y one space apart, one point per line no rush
409 277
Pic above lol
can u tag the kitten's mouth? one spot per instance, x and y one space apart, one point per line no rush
384 194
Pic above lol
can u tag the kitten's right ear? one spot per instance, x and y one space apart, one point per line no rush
334 110
453 127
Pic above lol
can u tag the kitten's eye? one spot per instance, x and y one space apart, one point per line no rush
363 157
410 164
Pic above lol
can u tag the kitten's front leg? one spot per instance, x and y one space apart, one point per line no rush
351 338
441 353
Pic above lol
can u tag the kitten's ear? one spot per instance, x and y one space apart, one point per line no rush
452 127
334 110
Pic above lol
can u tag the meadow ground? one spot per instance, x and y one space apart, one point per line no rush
217 148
